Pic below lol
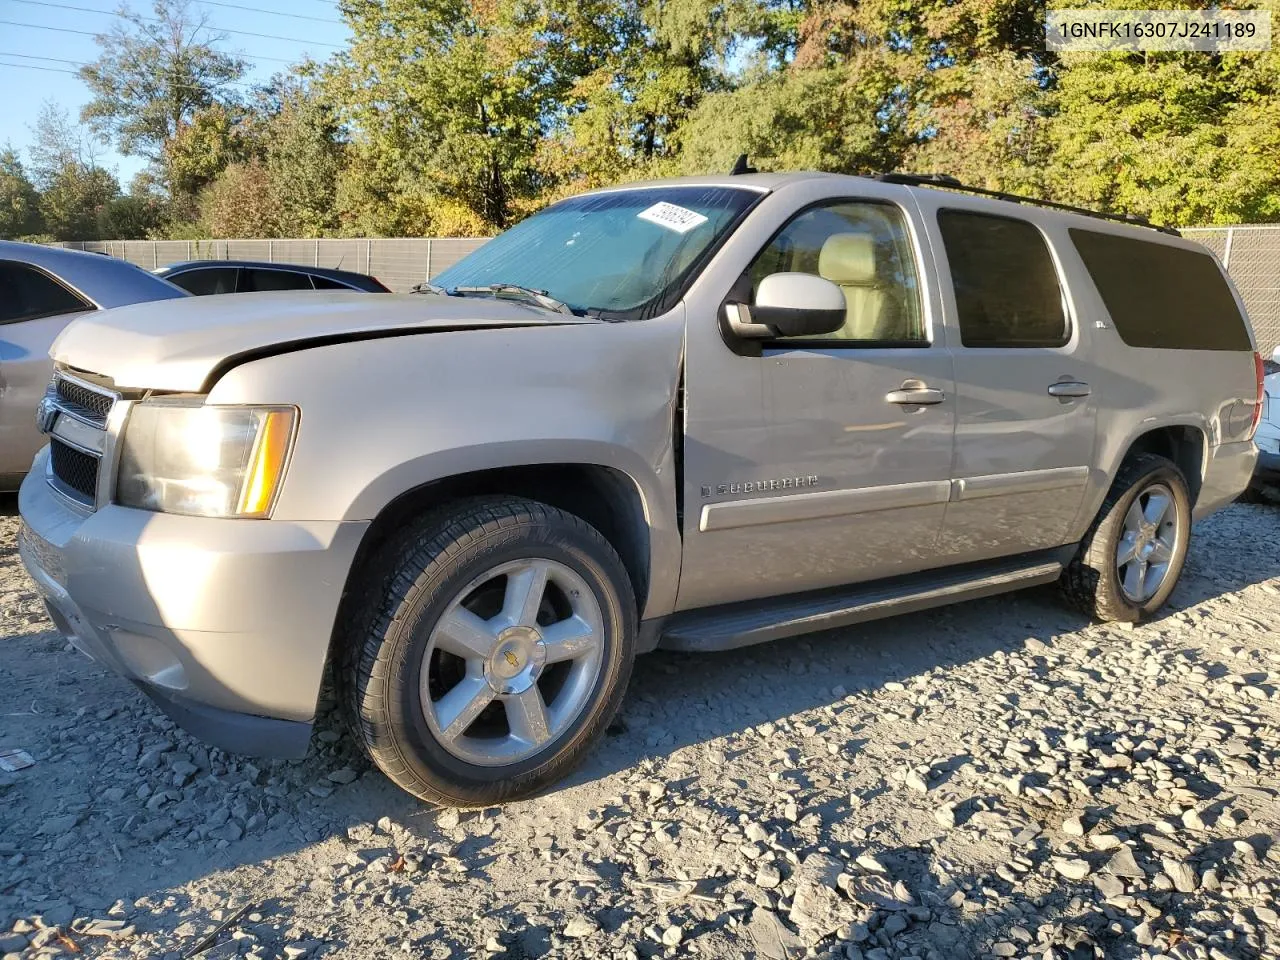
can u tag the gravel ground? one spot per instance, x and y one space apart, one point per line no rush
995 779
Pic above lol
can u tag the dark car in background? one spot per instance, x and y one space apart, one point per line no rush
205 277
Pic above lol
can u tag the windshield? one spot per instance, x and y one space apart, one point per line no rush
610 252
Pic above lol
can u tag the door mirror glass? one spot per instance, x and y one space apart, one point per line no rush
789 305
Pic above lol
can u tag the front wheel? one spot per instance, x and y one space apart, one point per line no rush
1130 560
493 649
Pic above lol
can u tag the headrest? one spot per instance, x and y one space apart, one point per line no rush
848 259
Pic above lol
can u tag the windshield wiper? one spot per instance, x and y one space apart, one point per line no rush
426 286
540 297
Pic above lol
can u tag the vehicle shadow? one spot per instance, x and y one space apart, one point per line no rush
675 701
8 504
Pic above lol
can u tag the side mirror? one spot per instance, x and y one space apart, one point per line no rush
1275 355
789 305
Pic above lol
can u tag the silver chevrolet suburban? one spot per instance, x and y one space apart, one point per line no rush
694 414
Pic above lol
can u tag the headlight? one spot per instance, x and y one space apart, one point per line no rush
210 461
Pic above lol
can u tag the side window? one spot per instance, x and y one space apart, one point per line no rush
27 294
863 248
324 283
1006 286
260 280
1160 295
204 282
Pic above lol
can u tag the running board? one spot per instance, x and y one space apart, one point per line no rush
740 625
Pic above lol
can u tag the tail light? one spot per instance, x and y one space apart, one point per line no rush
1260 371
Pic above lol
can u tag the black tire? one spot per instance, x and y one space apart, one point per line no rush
1091 582
410 584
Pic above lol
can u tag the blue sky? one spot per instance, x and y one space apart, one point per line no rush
23 89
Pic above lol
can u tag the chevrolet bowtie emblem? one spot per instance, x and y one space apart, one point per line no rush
511 659
46 413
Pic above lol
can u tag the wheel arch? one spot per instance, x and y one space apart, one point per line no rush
1186 445
606 497
1185 441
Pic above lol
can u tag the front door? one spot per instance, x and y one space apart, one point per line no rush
813 462
1025 419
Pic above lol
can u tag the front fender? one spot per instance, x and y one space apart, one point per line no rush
382 417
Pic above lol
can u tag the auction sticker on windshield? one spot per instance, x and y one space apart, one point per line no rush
673 217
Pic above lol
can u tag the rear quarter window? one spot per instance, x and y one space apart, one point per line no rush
1162 296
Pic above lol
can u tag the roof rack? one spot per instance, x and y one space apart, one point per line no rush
951 183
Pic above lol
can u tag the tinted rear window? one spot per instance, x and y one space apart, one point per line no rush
1162 296
257 281
205 282
1005 282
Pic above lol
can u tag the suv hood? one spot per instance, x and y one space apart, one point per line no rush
180 344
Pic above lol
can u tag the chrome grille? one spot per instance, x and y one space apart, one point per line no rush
74 461
74 471
80 400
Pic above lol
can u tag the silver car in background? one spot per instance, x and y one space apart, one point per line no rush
42 289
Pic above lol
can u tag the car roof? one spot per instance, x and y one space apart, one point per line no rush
1025 207
184 266
104 281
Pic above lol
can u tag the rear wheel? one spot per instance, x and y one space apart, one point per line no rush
492 651
1130 560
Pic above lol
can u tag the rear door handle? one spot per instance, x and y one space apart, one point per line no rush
914 393
1069 388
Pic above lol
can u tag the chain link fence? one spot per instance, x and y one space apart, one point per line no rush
399 263
1251 255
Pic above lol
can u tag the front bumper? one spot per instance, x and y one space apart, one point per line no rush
225 623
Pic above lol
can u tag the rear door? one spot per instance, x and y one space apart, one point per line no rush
1025 410
34 307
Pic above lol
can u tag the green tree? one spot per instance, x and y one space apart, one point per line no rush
130 217
19 200
153 76
73 188
75 200
303 152
202 148
453 97
241 203
1184 138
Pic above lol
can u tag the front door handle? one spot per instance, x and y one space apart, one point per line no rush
1069 388
914 393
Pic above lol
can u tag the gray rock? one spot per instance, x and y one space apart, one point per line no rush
12 943
672 936
1123 864
343 776
153 830
1142 934
1072 868
1183 877
1267 915
768 876
1108 885
56 826
580 927
817 909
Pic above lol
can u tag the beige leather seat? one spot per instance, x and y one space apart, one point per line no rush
849 261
